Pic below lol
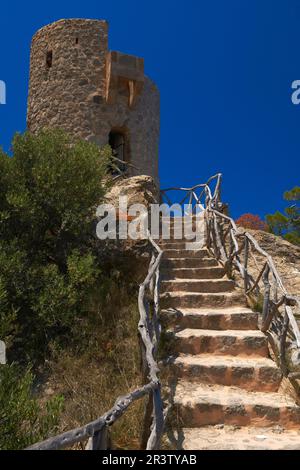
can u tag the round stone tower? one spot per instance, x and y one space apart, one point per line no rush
95 94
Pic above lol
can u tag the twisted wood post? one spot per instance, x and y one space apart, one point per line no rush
246 254
266 301
284 331
99 440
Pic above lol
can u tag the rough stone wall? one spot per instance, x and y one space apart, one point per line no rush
140 124
286 257
73 92
64 94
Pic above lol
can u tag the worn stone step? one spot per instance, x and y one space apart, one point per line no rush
235 342
182 253
226 437
188 263
181 241
188 221
179 299
214 272
197 285
166 218
258 373
182 245
232 318
173 245
203 404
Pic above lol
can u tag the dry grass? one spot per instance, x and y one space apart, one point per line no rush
91 379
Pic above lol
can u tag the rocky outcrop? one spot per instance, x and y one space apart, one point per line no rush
286 258
138 189
129 255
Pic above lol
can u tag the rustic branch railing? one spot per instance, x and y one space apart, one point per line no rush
120 168
149 328
234 249
196 202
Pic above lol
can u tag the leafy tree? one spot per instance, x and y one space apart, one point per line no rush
252 221
287 225
49 192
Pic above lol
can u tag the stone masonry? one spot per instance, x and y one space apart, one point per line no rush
77 84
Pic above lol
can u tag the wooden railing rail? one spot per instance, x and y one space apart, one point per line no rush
196 201
233 248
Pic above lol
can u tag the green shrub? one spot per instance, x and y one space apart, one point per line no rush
23 420
49 192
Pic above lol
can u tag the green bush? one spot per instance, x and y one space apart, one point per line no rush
23 420
287 225
49 192
53 287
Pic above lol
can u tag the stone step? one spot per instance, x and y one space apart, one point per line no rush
188 263
224 437
173 245
185 229
258 373
233 318
180 218
179 299
182 221
181 253
202 404
181 245
235 342
197 285
214 272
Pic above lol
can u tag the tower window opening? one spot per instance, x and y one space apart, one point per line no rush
117 141
76 41
49 57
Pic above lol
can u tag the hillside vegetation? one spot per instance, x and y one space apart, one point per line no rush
68 313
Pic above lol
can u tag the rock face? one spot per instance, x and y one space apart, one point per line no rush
138 189
286 258
132 253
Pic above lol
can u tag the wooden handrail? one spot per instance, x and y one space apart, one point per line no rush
228 246
271 303
89 430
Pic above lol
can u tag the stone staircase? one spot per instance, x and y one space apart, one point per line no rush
227 388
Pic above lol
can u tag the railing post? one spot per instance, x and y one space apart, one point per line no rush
99 440
285 327
266 301
220 247
246 254
157 422
228 266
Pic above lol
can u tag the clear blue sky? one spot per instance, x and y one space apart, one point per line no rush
224 69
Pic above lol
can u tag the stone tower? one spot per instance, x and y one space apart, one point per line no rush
103 96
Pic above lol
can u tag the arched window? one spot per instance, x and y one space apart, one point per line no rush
118 141
49 57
